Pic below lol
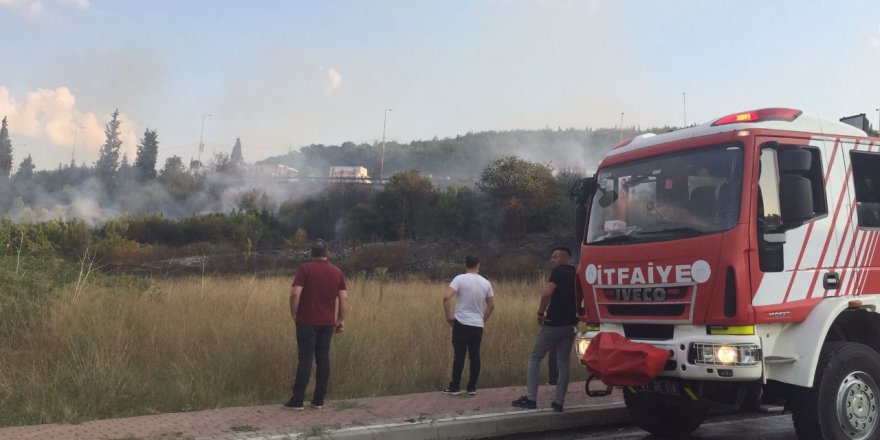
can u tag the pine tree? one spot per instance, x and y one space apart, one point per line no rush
108 162
236 152
145 161
5 152
25 170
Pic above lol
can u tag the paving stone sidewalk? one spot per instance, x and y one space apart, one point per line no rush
355 418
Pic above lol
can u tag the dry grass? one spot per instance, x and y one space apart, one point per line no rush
210 342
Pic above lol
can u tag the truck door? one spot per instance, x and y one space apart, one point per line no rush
796 260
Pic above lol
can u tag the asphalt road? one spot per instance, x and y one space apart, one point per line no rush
752 426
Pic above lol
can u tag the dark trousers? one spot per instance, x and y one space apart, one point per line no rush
312 344
553 366
466 339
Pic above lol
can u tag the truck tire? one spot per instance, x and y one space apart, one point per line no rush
844 402
665 416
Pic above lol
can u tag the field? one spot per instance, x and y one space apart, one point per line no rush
98 350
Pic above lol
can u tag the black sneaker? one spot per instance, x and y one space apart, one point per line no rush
472 392
551 382
524 402
293 406
317 405
451 391
556 406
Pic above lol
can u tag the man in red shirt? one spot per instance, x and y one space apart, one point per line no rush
317 287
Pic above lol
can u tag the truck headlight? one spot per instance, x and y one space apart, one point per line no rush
725 354
581 344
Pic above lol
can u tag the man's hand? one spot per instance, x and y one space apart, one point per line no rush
541 319
340 326
450 321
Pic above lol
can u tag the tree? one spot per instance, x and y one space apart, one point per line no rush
25 170
222 164
519 189
147 150
5 152
236 152
453 212
108 161
176 179
408 193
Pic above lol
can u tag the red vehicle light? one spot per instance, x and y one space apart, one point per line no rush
764 114
623 143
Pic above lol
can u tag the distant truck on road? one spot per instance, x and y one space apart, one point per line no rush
349 173
740 256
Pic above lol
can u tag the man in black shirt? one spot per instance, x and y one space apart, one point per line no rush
557 316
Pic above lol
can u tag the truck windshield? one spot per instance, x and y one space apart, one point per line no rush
668 197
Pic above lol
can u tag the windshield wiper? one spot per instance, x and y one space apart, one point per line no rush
685 230
615 239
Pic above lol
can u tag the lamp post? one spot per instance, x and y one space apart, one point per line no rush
878 121
620 127
76 127
202 138
684 107
382 162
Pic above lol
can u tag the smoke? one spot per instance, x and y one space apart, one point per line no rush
52 115
34 9
66 195
75 192
334 80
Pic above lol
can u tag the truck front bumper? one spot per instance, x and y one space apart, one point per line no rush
696 355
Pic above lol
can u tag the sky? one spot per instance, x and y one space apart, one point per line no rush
280 75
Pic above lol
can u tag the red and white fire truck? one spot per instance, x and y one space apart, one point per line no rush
745 249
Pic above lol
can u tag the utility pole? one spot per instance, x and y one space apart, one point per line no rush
76 127
878 121
202 139
684 107
382 162
620 127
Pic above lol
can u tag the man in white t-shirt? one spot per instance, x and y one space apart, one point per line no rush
471 291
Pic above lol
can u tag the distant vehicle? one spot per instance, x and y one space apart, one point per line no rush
270 170
740 255
349 173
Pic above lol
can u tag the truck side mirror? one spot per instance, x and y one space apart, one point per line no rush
582 192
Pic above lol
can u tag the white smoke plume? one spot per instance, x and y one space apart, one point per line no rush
35 9
52 115
334 80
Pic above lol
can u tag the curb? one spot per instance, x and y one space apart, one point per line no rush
461 427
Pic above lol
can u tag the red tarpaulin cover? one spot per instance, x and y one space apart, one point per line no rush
618 361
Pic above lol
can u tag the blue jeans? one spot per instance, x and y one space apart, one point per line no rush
562 338
312 344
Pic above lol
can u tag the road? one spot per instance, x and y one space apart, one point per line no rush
752 426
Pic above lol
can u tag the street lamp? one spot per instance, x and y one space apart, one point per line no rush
202 138
76 127
382 162
878 120
621 127
684 107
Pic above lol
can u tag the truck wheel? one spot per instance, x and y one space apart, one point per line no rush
666 416
844 402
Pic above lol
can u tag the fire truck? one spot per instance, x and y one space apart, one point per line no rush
745 249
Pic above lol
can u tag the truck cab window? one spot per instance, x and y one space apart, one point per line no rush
866 180
668 197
